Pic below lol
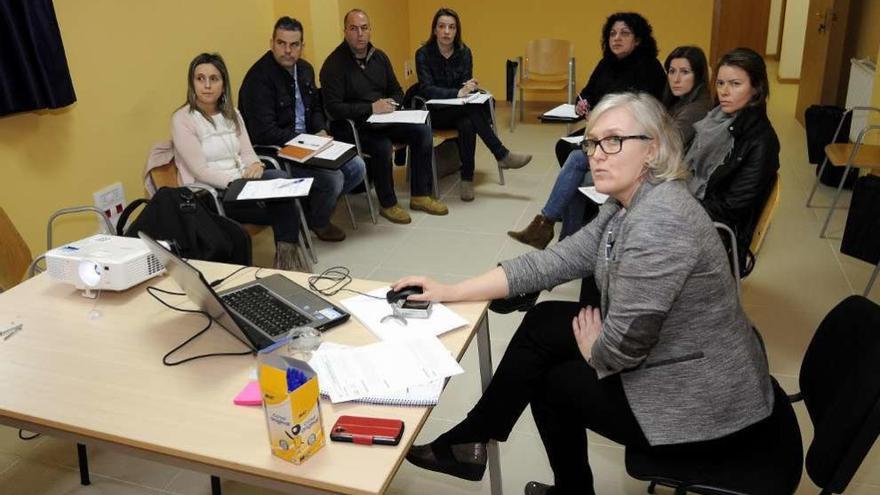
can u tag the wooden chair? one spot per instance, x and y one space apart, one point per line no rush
15 255
766 217
548 66
856 154
167 176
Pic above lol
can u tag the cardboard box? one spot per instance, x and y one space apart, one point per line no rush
290 400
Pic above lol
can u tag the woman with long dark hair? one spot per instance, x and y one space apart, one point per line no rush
211 146
687 97
445 67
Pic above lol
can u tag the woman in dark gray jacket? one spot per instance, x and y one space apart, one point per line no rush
669 323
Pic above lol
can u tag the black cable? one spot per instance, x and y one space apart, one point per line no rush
22 437
165 358
219 281
339 277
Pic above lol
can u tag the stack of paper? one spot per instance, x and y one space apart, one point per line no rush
384 370
399 117
304 146
474 99
592 193
275 188
564 111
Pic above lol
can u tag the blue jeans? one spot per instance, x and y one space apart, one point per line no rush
281 215
326 188
565 202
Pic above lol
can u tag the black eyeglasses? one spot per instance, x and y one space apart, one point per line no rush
610 145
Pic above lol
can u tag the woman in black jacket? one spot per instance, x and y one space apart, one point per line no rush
445 68
734 156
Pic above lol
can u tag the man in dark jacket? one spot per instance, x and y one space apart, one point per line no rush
357 81
278 100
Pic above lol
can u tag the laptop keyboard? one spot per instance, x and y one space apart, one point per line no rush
264 310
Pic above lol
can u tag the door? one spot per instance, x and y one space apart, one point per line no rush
823 55
739 23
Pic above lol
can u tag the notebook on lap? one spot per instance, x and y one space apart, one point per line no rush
258 313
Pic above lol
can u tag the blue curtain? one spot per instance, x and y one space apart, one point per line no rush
33 67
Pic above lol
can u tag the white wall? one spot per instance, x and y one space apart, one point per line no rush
773 27
796 13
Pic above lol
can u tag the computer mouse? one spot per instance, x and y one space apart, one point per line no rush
393 296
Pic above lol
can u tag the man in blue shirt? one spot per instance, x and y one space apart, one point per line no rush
279 100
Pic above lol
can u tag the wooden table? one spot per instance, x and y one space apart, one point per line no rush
102 382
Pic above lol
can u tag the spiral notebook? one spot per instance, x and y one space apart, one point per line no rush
420 395
427 394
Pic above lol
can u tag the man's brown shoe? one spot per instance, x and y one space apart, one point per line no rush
538 234
428 204
330 233
395 214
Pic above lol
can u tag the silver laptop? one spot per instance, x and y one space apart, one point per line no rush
257 313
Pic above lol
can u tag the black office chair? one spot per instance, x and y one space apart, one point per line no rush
840 387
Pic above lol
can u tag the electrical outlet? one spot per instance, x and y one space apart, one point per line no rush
407 69
111 200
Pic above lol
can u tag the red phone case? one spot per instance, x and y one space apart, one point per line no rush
367 431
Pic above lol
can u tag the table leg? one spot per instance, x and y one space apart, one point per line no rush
215 486
83 458
484 351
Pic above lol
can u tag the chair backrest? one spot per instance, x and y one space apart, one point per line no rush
15 255
165 175
766 216
840 384
547 58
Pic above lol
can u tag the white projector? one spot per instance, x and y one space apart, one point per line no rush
103 262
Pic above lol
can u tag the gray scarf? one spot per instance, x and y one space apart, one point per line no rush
711 145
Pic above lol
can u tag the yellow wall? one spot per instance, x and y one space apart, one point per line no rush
390 30
128 61
497 30
865 14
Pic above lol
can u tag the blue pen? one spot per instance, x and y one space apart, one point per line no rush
295 379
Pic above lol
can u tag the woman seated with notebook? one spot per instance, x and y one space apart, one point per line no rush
211 146
667 357
629 63
446 70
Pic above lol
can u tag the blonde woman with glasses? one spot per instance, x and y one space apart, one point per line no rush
666 357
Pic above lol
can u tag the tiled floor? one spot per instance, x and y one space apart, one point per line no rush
798 278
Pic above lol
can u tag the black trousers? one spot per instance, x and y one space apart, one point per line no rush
377 140
544 368
470 121
563 148
282 215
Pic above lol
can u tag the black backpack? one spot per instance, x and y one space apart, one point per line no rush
177 216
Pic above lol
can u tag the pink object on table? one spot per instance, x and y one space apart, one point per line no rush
250 395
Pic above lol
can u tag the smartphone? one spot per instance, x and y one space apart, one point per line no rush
367 431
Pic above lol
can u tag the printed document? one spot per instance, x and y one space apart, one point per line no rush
381 368
275 188
334 151
399 117
574 139
370 311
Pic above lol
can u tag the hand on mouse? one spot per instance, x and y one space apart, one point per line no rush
431 289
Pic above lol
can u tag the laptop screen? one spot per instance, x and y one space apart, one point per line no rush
196 288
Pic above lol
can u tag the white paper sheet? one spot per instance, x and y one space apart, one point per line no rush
310 141
476 99
562 111
381 368
574 139
334 151
592 193
399 117
370 312
275 188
